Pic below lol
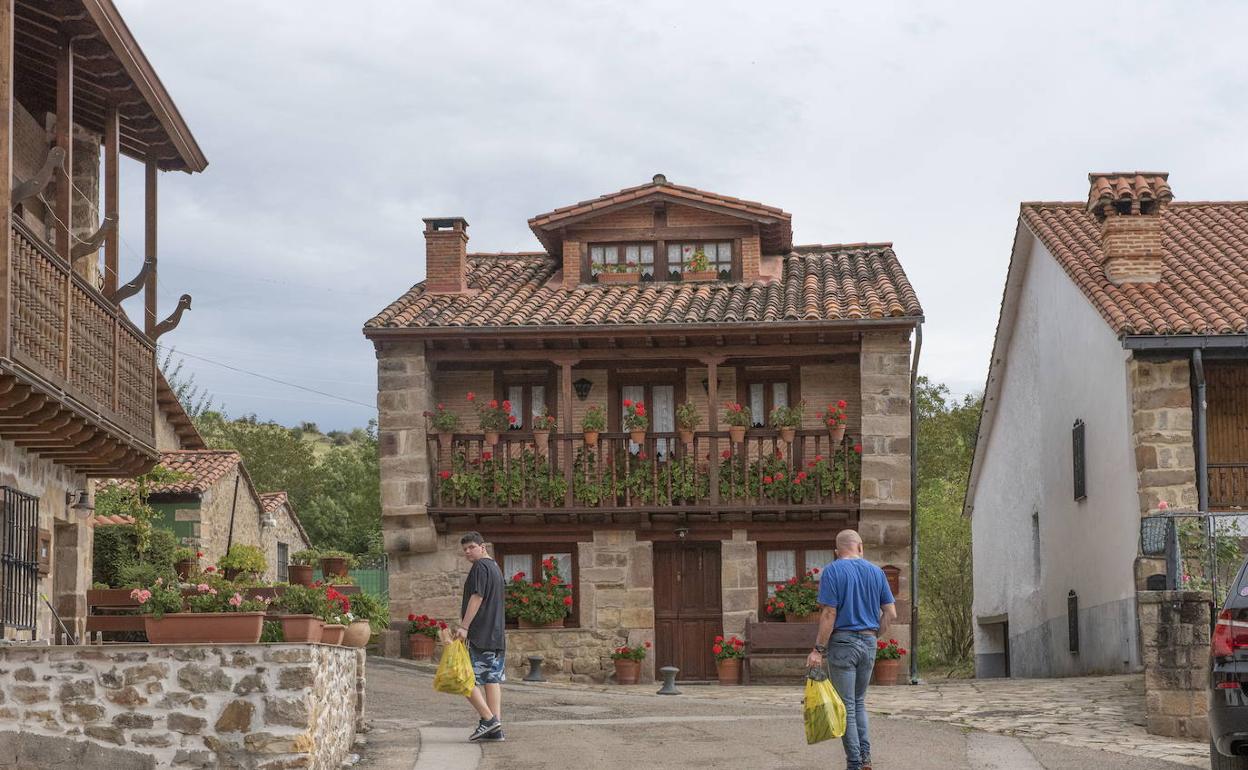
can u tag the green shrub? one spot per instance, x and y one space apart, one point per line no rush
272 632
244 558
116 547
305 557
301 600
331 554
142 575
373 609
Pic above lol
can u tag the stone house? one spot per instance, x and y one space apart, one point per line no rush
664 541
78 393
1118 380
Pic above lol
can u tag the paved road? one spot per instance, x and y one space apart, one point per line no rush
415 728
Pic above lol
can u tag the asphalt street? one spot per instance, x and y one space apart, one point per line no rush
414 728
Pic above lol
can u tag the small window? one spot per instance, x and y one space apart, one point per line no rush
1072 622
1077 446
528 559
622 257
780 563
718 254
528 395
19 561
765 392
283 561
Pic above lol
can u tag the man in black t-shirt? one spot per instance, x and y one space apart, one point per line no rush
481 623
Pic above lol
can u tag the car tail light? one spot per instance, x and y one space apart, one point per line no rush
1228 635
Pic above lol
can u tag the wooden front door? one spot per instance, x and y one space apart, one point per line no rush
687 611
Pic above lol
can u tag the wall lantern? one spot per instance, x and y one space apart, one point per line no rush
79 502
582 387
706 384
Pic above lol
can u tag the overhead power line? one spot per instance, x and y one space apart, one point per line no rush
181 352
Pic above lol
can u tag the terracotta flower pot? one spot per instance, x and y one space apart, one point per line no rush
420 646
637 436
885 672
357 634
627 671
332 633
301 628
445 440
788 434
591 438
618 277
205 628
491 437
552 624
700 275
736 433
686 436
184 569
541 441
299 575
729 670
334 566
812 617
837 434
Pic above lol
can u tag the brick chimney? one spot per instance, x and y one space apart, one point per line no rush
1129 207
446 255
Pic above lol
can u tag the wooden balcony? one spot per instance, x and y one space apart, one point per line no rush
1228 485
616 481
77 379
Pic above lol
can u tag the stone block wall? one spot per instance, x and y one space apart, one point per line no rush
738 573
1161 402
198 706
217 506
404 393
617 596
1174 630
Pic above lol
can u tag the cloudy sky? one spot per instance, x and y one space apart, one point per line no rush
331 130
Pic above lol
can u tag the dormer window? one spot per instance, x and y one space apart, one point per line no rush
699 260
681 256
622 258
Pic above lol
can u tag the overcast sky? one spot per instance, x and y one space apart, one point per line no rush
331 128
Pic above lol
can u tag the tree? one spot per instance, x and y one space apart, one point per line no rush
194 399
346 512
947 432
275 458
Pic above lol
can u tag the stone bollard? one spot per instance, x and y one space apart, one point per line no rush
669 681
535 669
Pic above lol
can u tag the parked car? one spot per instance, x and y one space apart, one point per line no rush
1228 680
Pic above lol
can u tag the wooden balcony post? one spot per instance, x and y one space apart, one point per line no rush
112 194
149 289
65 186
712 422
6 169
565 387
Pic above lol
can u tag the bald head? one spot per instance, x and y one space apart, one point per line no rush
848 543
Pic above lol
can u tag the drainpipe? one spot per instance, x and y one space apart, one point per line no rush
914 505
229 540
1202 463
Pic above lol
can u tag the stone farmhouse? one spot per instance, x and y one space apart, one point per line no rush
78 379
669 539
1118 380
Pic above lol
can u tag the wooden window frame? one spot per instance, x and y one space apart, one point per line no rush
799 561
617 379
660 263
734 269
745 378
663 269
535 550
527 379
283 564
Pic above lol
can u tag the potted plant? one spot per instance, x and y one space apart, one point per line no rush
797 599
541 603
698 268
688 418
299 571
887 662
494 418
243 560
613 272
186 562
628 663
787 419
836 419
738 419
593 423
422 635
336 613
335 563
213 613
300 607
543 424
728 654
634 420
444 423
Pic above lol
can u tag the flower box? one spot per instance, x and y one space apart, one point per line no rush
619 277
205 628
332 633
700 275
301 628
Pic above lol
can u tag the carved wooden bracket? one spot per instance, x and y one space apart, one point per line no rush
42 178
128 290
171 323
92 244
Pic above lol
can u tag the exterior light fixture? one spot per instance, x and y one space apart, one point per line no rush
582 387
79 502
706 384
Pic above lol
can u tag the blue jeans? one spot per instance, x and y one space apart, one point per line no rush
850 658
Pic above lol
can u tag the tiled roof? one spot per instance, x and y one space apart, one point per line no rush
273 500
818 283
103 521
1133 188
1204 279
204 467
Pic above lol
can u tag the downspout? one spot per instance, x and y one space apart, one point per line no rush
229 540
914 505
1202 463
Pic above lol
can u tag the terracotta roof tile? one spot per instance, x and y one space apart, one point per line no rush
103 521
1204 278
204 467
273 500
817 283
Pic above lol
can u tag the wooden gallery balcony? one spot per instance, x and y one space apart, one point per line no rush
662 479
1228 486
77 379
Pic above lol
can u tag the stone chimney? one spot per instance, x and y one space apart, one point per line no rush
446 255
1129 207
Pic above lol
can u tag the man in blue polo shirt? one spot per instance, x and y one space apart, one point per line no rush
857 607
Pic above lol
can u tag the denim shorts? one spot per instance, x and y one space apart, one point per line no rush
488 665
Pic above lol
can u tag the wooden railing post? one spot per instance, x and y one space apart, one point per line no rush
565 387
6 174
712 422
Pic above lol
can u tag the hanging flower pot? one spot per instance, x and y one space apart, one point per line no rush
591 438
491 438
637 436
837 433
686 436
541 441
445 440
301 628
420 646
788 434
627 671
736 433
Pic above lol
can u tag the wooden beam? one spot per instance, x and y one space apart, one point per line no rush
712 423
112 195
603 234
692 354
6 168
149 289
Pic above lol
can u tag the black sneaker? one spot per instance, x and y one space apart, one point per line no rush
494 737
485 728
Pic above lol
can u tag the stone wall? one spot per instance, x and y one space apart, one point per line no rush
404 393
738 574
196 706
214 513
617 596
1174 630
284 531
1161 402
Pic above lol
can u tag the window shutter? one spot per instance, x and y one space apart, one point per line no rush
1077 446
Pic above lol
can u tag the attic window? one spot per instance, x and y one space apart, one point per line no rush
718 254
622 257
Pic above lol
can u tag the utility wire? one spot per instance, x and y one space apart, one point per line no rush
180 352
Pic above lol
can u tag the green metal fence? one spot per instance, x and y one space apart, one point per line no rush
372 575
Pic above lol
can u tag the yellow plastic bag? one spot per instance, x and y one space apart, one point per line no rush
823 710
455 675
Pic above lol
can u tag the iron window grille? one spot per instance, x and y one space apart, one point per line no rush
19 562
1080 460
1072 621
283 562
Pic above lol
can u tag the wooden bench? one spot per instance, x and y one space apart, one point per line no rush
776 640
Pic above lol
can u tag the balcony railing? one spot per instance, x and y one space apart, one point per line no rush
710 474
1228 485
66 333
